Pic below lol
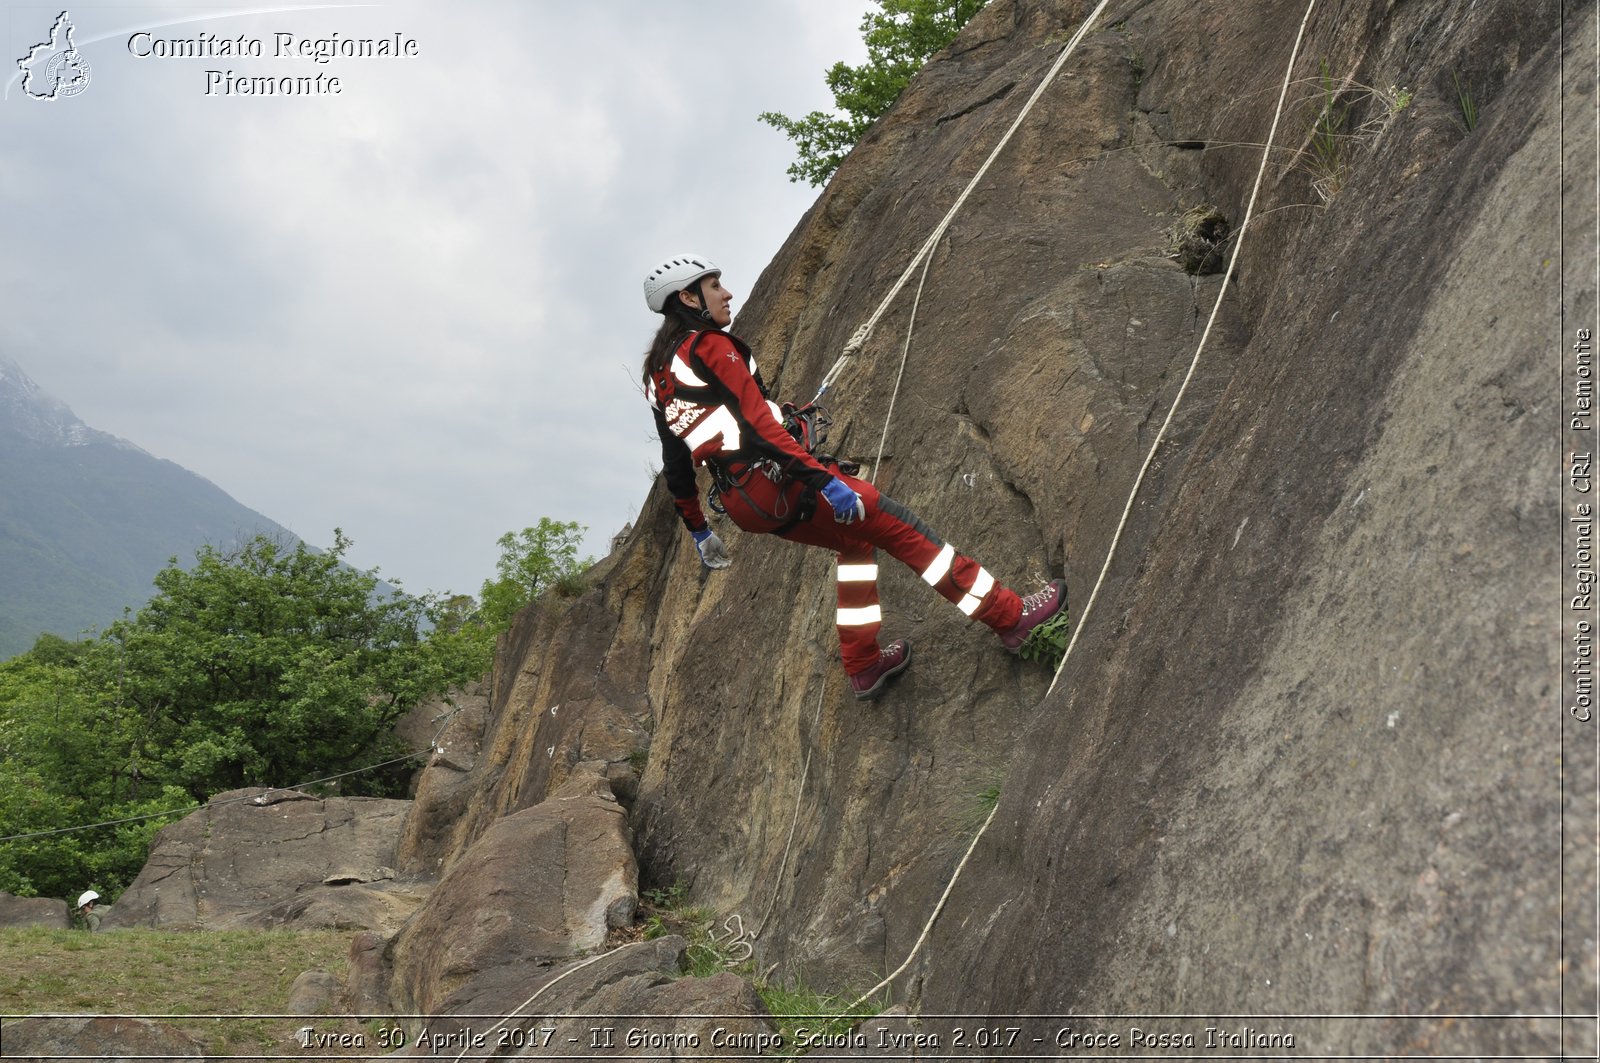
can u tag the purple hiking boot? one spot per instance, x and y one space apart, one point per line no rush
891 662
1037 608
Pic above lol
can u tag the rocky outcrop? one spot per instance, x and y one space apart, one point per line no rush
313 993
106 1037
1303 759
34 911
568 687
543 884
1295 763
631 1002
1299 763
275 858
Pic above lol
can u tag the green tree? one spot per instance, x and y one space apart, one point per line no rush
532 561
67 759
267 666
900 37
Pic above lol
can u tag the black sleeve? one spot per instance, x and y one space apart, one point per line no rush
678 467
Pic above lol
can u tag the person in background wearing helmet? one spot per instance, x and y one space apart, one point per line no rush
88 917
711 408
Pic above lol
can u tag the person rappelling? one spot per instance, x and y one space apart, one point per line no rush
711 408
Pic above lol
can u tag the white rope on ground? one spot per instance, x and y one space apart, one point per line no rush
1194 363
1294 55
859 339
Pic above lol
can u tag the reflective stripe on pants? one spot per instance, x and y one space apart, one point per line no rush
888 526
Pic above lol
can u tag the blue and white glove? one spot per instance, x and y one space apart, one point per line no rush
847 505
712 553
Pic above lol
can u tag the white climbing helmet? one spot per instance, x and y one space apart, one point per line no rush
87 896
674 275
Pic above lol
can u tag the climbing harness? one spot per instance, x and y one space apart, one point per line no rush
808 425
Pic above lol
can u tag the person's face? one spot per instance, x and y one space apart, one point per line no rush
718 300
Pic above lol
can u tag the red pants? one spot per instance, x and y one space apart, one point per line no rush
760 505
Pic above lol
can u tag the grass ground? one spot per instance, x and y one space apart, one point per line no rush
238 974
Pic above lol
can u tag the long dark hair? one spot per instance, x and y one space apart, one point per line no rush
677 321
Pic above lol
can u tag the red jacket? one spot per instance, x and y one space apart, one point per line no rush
711 405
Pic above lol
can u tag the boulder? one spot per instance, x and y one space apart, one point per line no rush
261 858
367 976
313 993
640 1006
105 1037
546 883
34 911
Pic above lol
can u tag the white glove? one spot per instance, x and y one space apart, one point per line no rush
712 553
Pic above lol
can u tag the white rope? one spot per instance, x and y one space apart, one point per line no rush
540 991
1194 363
862 334
1294 54
783 865
937 909
905 354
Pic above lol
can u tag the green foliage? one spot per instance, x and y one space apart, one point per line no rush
1465 104
900 37
533 561
1047 643
67 759
1332 134
1326 140
264 665
261 665
798 1007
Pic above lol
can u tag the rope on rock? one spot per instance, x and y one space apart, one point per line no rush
862 334
788 847
1294 55
574 969
1194 363
905 354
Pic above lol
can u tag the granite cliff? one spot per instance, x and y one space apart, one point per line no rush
1304 758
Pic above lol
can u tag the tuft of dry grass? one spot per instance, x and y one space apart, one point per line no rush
236 974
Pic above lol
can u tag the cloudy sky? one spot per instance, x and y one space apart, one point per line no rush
410 309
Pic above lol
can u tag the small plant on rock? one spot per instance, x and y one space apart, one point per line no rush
800 1008
1048 642
711 948
1330 135
1465 103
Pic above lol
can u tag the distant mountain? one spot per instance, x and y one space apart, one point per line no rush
88 519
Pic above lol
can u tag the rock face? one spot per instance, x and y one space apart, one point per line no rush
640 1008
34 911
542 884
97 1037
1303 759
1303 756
275 858
568 687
